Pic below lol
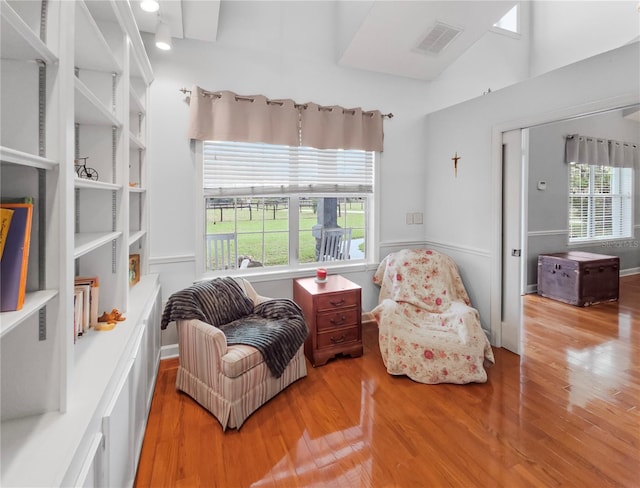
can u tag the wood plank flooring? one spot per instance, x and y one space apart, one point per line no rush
566 413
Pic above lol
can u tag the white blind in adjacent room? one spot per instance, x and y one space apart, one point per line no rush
236 169
600 203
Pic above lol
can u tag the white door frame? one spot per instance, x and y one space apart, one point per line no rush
514 198
591 108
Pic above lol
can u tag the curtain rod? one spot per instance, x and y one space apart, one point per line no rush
186 90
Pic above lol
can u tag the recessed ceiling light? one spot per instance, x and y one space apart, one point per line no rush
149 5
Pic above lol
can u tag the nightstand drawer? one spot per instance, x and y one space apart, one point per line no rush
338 300
340 318
337 337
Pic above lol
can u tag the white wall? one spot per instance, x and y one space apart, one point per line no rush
564 32
463 214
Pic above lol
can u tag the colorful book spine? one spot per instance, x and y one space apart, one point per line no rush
15 258
5 221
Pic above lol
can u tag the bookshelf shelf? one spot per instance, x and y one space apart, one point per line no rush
33 302
13 156
95 185
89 109
92 51
136 142
134 237
89 241
19 41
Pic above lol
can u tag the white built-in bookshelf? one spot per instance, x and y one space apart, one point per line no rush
75 84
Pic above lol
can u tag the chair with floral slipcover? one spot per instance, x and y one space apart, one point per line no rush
428 330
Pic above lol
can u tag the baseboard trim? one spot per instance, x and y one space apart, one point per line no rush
170 351
367 319
629 272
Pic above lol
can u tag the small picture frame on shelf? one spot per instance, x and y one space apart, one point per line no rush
134 269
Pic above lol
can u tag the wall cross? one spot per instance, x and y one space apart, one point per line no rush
455 160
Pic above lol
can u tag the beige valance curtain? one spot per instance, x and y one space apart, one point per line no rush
601 152
339 128
226 116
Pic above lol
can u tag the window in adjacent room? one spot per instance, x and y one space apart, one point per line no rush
600 202
271 205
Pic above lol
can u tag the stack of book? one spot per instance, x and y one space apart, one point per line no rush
85 304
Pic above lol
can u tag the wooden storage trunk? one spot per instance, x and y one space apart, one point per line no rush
579 278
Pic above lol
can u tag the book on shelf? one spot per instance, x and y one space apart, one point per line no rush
85 296
94 296
78 304
5 221
15 258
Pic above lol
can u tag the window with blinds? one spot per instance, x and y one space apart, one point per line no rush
244 169
600 199
281 206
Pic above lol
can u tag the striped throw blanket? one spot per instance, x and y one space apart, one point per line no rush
216 302
275 327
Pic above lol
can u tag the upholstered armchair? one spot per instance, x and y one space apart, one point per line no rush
228 378
428 329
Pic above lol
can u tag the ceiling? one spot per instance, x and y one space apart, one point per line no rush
376 35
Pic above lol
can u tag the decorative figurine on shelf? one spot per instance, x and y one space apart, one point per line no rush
83 171
107 320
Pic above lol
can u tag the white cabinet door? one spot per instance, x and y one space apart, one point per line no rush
117 429
152 323
139 396
91 473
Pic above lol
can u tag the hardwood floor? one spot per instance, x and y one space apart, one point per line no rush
565 413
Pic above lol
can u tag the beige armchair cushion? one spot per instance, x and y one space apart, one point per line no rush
239 359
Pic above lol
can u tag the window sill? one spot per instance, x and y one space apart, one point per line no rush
617 242
263 274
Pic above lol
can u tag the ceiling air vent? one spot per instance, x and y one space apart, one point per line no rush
439 37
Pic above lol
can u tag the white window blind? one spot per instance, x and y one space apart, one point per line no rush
233 168
600 202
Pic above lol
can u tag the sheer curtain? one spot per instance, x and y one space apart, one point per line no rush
601 152
226 116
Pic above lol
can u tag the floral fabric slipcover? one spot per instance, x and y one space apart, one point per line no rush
427 327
